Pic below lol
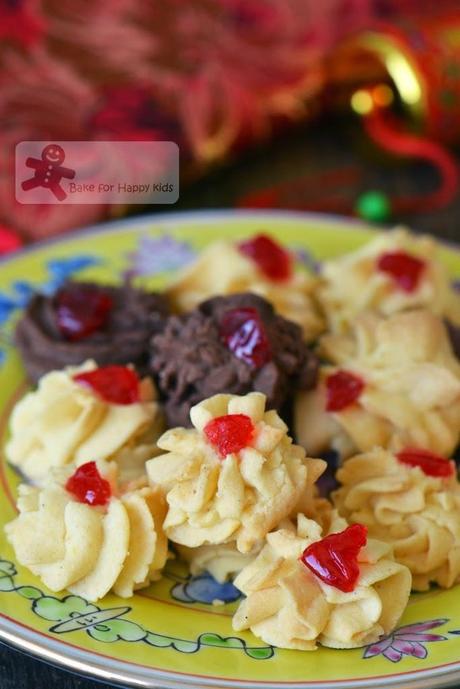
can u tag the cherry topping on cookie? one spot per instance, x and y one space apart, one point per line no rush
87 485
230 433
243 333
274 261
114 384
81 310
342 390
334 559
405 270
430 463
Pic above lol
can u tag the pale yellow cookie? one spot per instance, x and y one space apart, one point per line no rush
411 394
239 497
111 556
353 283
221 269
90 549
418 515
290 607
63 422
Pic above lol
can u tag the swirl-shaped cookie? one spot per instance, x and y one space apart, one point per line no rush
234 476
394 383
418 514
235 344
85 320
63 421
225 268
87 536
289 606
397 271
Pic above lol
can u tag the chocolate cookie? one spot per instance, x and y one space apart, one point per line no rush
85 320
233 344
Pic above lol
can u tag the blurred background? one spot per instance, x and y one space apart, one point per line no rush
336 106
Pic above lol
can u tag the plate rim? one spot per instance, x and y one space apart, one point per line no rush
91 664
189 217
28 640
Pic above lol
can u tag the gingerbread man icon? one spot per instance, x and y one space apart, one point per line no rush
49 171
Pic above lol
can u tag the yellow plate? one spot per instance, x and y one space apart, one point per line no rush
171 635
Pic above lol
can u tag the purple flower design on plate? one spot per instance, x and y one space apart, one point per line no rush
307 259
158 254
456 285
406 641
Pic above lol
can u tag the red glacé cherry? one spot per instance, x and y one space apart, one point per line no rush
229 433
430 463
405 270
243 333
114 384
87 485
342 390
334 559
81 310
274 261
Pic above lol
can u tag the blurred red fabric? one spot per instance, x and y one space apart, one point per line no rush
212 75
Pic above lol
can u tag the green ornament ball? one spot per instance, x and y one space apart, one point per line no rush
374 206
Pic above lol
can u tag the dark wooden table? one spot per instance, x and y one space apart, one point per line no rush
333 145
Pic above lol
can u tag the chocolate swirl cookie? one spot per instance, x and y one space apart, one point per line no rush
234 344
85 320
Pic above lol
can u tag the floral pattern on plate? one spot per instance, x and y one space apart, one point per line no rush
409 640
